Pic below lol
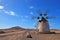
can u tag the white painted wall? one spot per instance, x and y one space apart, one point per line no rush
43 27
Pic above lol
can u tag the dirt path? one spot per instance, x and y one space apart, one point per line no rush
21 35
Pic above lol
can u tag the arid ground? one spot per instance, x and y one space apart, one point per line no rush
20 34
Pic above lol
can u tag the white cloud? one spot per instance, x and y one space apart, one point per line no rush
26 16
31 7
1 7
6 12
31 13
12 13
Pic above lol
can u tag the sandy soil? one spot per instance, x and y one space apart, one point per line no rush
21 35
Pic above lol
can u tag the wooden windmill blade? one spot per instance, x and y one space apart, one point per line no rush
39 12
45 13
38 17
50 17
33 17
35 24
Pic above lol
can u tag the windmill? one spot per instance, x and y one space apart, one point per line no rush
43 24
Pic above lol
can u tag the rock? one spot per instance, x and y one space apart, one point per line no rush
2 32
28 35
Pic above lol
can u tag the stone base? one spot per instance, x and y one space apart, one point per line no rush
47 32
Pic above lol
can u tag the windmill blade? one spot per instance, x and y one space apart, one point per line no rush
34 17
45 14
39 12
47 11
46 17
36 25
50 17
38 17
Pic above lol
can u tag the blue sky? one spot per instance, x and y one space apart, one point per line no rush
19 12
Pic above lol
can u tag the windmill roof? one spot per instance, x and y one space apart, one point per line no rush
43 19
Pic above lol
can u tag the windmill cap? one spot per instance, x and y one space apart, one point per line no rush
43 19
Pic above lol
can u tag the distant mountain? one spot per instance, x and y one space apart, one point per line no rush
17 28
55 29
20 28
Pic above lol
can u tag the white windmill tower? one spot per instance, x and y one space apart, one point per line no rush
43 24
